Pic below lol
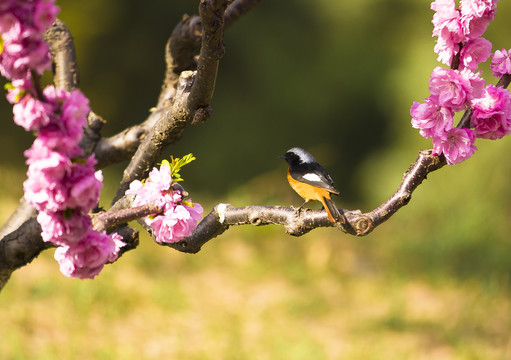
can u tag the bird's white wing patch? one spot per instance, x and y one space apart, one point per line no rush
312 177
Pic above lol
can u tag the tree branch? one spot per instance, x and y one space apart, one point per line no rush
194 91
19 248
63 52
298 222
22 246
237 9
180 56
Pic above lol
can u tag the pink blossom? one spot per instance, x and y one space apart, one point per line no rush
446 48
176 224
447 27
501 63
476 15
47 165
18 89
74 112
55 96
45 13
491 116
135 187
452 89
44 196
118 243
10 27
55 136
456 145
447 17
18 58
474 52
87 258
31 114
84 185
64 228
54 184
431 118
476 82
74 107
156 189
161 178
93 251
22 24
478 8
179 219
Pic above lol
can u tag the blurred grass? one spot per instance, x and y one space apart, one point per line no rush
431 283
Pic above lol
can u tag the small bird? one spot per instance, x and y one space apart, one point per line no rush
311 181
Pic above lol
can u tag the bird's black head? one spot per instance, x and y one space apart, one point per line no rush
297 156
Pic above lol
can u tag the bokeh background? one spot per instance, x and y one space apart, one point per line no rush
334 77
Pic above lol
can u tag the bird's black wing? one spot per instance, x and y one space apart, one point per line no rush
313 174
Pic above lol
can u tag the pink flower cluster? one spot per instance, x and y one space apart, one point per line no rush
61 184
458 89
461 30
501 63
22 24
179 218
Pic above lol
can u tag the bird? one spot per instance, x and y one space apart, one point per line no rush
311 181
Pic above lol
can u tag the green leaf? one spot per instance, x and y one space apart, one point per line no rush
176 164
165 163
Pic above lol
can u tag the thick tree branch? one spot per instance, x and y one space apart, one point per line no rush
123 145
19 248
63 52
22 213
180 56
22 224
212 50
23 245
194 92
186 39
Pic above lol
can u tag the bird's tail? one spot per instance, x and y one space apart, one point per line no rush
334 215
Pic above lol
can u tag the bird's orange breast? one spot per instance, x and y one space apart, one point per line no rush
306 191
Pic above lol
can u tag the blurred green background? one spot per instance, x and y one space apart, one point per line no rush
334 77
